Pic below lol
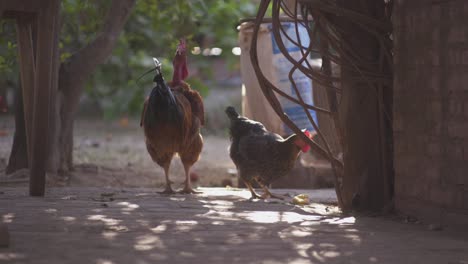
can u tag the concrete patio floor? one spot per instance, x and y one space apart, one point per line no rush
113 226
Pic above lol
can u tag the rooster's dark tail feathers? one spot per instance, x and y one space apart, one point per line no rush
162 105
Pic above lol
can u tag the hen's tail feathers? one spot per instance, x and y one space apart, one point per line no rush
162 105
232 113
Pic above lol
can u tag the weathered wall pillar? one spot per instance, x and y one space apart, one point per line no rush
431 110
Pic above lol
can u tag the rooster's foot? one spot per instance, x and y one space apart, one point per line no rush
188 190
168 190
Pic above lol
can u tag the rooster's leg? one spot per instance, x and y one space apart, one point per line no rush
188 185
266 193
168 189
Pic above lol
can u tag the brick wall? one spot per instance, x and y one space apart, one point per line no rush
431 109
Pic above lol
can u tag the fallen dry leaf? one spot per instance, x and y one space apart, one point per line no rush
301 199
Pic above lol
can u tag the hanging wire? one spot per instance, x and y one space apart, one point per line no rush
323 19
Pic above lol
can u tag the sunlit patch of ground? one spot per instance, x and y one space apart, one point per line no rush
221 225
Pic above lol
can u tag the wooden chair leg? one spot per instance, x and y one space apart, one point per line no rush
27 71
44 81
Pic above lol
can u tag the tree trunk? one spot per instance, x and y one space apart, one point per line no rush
73 75
19 151
365 183
62 160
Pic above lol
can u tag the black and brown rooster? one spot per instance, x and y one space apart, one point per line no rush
171 119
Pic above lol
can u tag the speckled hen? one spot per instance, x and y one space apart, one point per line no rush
260 155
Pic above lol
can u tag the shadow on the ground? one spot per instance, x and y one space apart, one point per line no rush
110 226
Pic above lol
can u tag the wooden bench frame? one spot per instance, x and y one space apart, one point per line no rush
38 57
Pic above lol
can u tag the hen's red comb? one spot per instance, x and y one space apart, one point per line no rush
307 133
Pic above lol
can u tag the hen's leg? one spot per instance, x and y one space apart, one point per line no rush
254 194
266 193
188 185
246 178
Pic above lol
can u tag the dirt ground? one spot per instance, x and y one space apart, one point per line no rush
137 225
113 153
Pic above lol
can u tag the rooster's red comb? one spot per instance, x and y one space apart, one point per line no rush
180 63
182 46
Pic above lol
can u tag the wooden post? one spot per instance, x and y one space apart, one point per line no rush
366 173
54 114
46 26
27 70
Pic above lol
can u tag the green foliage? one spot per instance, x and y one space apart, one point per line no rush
153 30
8 48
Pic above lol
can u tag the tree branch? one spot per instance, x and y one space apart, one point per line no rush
77 69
